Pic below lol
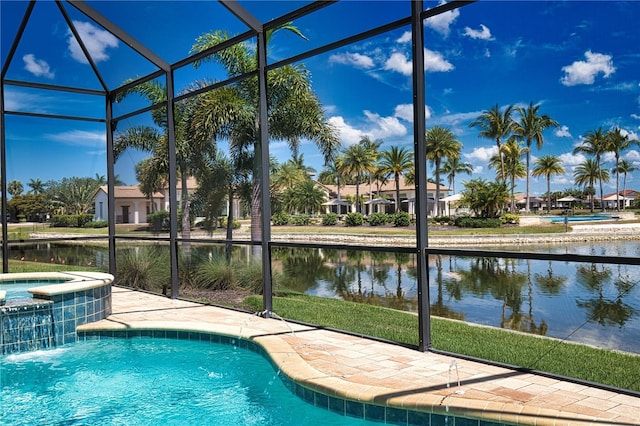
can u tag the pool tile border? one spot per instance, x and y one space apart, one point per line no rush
346 407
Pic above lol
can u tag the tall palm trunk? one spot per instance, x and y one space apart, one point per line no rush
600 179
358 207
230 219
624 190
397 179
501 156
186 223
526 203
437 174
617 183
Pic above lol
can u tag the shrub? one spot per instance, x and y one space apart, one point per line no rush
477 222
215 274
70 220
223 223
401 219
300 220
354 219
280 219
378 219
329 219
510 218
441 219
158 220
250 277
145 267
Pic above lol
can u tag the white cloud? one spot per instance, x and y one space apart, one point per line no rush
512 49
434 61
633 136
405 37
570 160
384 127
356 59
375 126
455 119
405 112
398 62
483 33
562 132
584 72
482 154
348 135
636 116
96 41
632 155
79 138
37 67
441 23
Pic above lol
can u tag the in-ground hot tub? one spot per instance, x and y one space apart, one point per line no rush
59 303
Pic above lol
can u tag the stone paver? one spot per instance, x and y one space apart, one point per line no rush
371 371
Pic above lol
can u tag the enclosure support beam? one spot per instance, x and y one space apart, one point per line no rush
111 197
420 161
262 154
173 190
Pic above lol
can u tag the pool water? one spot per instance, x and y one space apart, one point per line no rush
17 289
150 381
560 219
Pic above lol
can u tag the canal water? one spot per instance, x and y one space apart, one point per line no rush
591 303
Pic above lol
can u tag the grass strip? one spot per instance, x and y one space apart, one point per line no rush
612 368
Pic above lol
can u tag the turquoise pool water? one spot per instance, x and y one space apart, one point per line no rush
583 218
17 289
147 381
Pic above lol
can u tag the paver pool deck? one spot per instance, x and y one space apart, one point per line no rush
369 371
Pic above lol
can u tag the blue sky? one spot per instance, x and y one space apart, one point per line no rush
580 60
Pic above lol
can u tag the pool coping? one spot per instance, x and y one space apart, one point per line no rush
358 369
78 281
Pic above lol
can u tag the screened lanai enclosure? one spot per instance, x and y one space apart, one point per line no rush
173 134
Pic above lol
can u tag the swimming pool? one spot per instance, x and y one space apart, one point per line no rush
146 381
582 218
17 289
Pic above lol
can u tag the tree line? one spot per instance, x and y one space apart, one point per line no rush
43 200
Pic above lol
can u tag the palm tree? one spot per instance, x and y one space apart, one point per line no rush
617 142
530 127
441 144
485 199
454 166
308 197
586 174
332 174
151 178
15 188
289 175
356 160
497 125
373 147
191 147
36 185
396 161
624 167
512 152
294 110
214 180
595 143
548 166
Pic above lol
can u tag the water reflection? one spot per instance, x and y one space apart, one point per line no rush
598 304
595 304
